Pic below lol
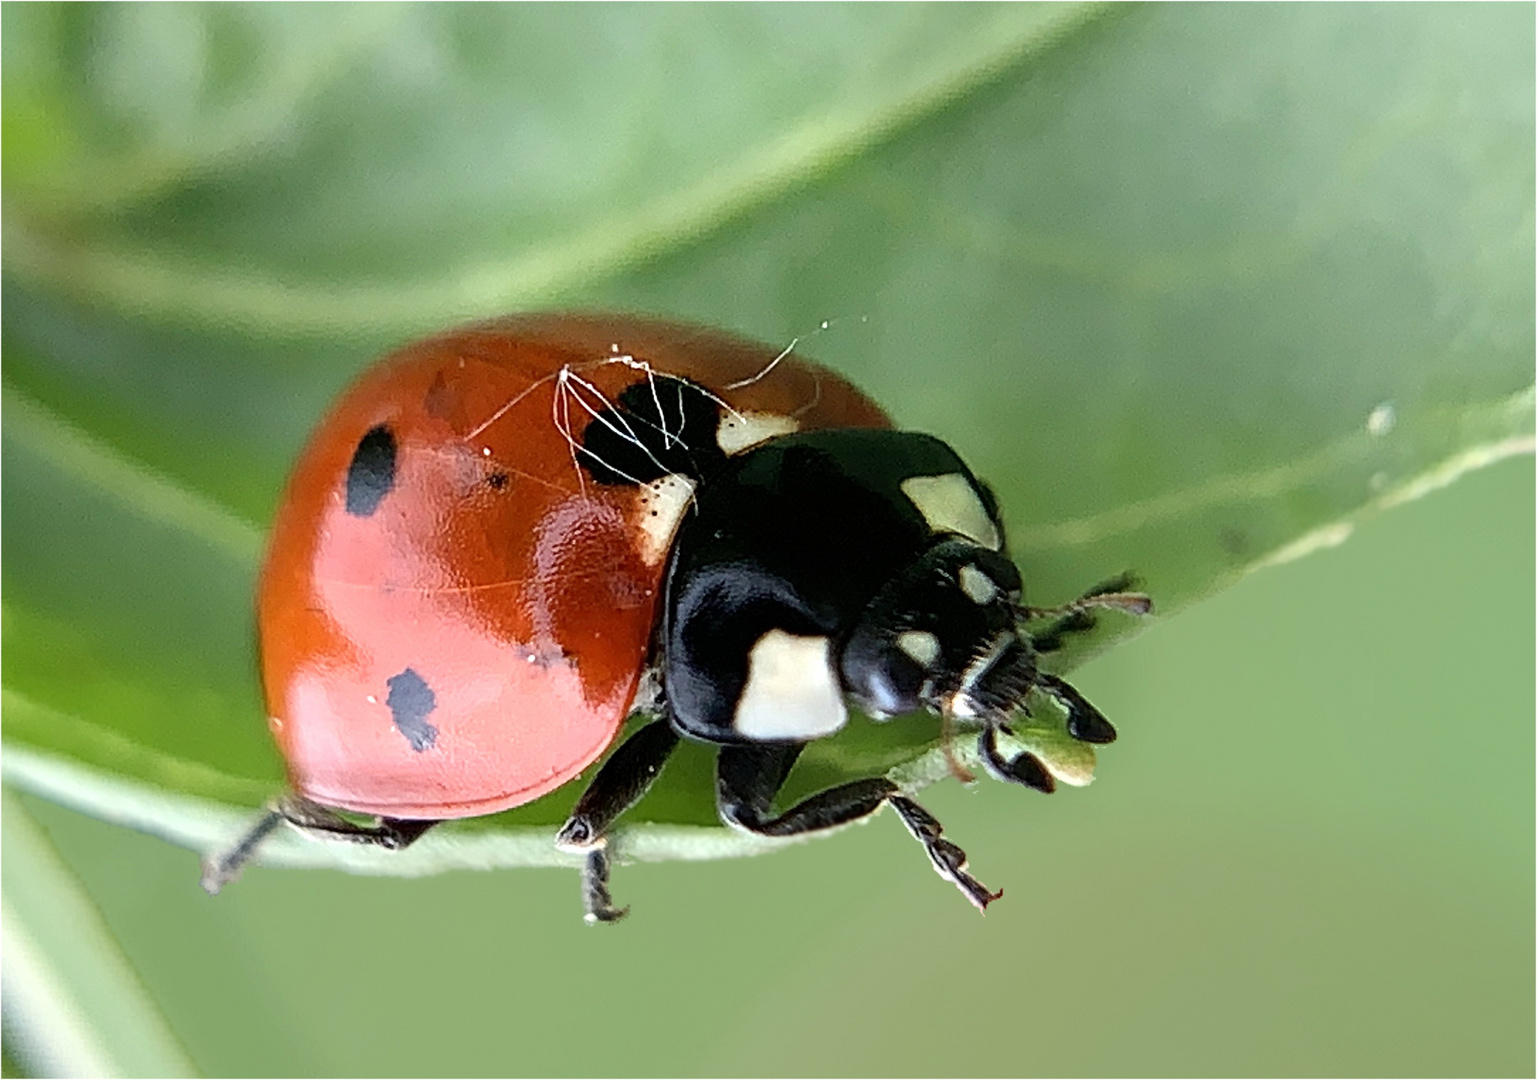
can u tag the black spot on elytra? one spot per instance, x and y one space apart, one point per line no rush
410 701
660 425
498 480
371 475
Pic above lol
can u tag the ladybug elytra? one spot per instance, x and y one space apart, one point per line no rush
503 541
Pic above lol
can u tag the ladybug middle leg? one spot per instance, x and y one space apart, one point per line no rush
619 785
748 778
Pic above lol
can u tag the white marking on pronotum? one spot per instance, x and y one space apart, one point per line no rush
950 504
921 645
792 692
662 505
977 585
742 431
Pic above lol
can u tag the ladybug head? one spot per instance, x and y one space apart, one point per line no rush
943 635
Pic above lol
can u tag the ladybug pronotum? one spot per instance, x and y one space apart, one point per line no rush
499 536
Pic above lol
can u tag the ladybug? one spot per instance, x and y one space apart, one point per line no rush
505 540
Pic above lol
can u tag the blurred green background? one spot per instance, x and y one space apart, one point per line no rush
1198 288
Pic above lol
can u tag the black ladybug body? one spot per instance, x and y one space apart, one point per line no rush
773 574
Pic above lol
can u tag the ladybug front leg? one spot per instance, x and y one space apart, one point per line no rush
748 778
619 785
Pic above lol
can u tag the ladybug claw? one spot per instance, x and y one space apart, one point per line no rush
216 876
608 914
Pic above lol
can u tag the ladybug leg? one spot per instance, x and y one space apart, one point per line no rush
1076 617
619 785
220 870
597 902
748 778
393 834
1026 769
1084 721
308 817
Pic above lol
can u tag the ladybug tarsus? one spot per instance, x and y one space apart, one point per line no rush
220 870
948 859
597 904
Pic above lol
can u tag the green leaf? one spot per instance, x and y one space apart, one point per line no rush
1196 288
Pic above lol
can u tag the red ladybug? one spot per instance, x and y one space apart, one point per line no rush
504 540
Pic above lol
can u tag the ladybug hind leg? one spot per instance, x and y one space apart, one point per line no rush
308 817
748 778
323 823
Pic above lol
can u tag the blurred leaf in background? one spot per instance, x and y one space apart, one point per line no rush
1197 288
